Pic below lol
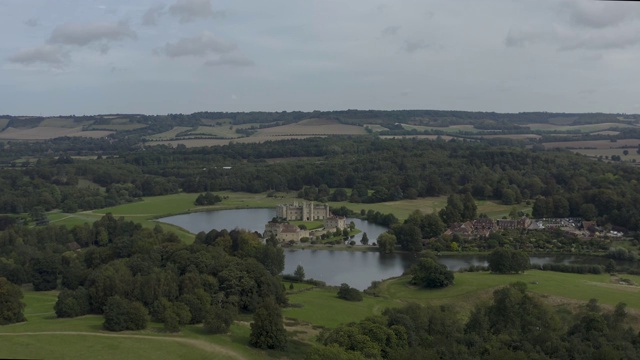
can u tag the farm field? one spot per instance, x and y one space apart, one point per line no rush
375 127
118 127
45 133
63 123
594 144
220 142
419 137
582 128
512 136
449 129
312 127
3 123
167 135
607 153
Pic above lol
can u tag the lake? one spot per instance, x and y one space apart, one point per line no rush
356 268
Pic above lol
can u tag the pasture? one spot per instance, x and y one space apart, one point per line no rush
594 144
588 128
47 132
312 127
607 153
168 135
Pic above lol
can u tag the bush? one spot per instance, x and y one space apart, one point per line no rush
121 314
72 303
348 293
429 274
575 269
218 320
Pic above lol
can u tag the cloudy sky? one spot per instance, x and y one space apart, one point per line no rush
180 56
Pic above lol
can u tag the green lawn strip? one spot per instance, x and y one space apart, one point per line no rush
81 346
311 225
321 306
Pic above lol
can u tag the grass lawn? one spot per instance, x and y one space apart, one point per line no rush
43 336
321 306
469 289
311 225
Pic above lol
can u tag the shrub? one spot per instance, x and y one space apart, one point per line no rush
348 293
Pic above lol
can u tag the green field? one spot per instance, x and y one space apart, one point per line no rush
117 127
64 123
581 128
168 135
469 289
595 153
44 336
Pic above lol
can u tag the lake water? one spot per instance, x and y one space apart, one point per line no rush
356 268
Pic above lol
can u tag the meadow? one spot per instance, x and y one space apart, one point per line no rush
469 289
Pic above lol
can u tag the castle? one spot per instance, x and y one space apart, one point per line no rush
307 211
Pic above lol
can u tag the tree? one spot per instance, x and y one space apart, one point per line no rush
299 273
72 303
121 314
505 261
469 207
348 293
11 305
386 243
365 239
610 267
429 274
218 320
267 328
409 237
207 199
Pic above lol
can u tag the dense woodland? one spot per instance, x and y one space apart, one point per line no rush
358 169
117 268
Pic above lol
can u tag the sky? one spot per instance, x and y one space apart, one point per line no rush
87 57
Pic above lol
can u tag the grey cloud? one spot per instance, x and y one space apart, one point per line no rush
192 10
48 54
32 22
150 17
574 40
601 41
519 38
598 15
412 46
390 30
202 45
230 60
85 34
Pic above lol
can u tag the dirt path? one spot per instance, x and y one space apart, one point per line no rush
203 345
